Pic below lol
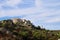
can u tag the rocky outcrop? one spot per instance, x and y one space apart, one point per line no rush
22 22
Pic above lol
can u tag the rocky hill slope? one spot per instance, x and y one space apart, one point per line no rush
21 29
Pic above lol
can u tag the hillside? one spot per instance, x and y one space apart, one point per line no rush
21 29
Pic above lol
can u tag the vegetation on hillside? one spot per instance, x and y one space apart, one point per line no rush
24 30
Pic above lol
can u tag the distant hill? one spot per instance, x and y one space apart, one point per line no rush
22 29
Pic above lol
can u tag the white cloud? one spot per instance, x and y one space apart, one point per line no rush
2 13
13 2
38 3
27 11
43 17
53 20
17 11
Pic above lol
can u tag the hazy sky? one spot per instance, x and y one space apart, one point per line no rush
40 12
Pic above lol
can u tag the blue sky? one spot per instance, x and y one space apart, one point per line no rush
40 12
